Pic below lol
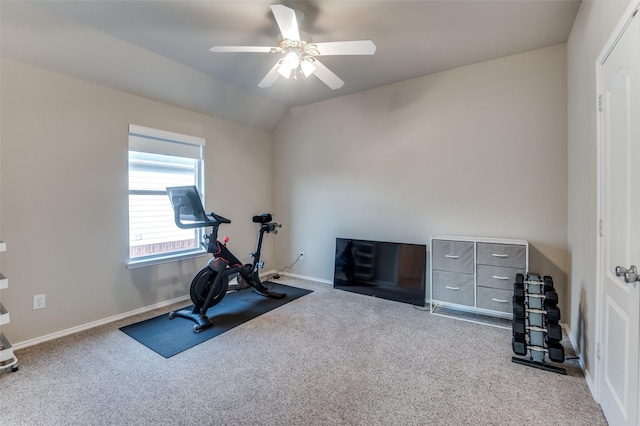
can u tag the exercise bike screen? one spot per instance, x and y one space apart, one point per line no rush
394 271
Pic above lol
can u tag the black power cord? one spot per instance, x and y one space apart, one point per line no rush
280 271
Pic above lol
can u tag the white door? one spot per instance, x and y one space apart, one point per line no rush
620 244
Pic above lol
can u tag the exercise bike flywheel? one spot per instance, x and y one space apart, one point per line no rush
203 284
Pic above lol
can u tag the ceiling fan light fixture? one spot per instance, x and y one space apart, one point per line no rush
285 70
292 60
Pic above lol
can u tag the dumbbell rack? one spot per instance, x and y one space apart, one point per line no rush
536 328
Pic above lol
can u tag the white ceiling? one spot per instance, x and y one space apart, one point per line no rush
413 38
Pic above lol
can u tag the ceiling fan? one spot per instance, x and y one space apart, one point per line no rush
299 55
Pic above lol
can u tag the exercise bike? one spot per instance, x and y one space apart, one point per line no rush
211 283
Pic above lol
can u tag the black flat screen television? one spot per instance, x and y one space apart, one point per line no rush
394 271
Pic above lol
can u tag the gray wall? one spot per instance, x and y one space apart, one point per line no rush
479 150
594 24
64 198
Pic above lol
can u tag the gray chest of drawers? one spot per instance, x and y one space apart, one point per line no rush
476 274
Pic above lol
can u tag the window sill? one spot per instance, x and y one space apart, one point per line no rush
140 263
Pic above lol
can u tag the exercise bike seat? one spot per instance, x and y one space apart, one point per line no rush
262 219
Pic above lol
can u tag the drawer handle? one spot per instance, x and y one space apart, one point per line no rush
452 288
451 256
500 278
499 300
499 255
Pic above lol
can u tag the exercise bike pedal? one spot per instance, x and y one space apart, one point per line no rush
271 294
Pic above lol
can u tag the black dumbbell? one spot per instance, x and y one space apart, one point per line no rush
554 332
555 352
519 311
550 298
548 283
519 344
552 313
518 325
518 291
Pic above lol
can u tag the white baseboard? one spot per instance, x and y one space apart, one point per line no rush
574 345
587 376
104 321
97 323
308 278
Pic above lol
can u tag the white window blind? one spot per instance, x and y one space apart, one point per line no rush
157 160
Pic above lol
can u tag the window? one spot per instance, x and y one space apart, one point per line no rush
157 160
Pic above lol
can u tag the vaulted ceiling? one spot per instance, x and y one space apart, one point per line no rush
140 46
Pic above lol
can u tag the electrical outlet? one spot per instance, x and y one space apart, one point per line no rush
38 301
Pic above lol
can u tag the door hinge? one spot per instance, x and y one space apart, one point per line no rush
598 350
600 108
600 227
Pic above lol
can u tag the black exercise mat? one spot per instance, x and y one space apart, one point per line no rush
170 337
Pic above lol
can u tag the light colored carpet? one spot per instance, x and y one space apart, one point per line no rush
328 358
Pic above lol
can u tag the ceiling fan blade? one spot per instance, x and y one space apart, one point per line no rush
327 76
307 68
271 76
287 21
358 47
240 49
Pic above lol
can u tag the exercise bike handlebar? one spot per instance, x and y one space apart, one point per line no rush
273 227
219 218
178 216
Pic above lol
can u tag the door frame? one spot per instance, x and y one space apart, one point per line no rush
633 7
